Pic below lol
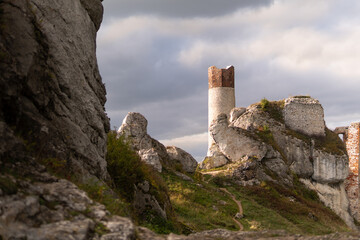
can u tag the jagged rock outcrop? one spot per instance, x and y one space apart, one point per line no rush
36 205
151 157
264 144
144 200
179 156
151 151
234 143
236 113
47 48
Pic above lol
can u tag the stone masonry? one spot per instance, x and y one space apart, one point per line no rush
351 139
304 114
221 95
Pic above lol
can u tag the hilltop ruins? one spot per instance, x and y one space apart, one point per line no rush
283 136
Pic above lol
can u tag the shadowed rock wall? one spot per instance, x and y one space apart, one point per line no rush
52 95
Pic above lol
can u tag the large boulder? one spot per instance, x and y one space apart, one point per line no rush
134 127
235 143
177 155
52 96
151 151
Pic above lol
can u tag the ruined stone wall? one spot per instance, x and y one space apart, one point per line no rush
351 139
305 114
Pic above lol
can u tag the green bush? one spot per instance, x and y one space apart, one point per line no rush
264 103
124 165
126 171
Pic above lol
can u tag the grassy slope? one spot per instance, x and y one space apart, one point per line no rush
265 207
200 205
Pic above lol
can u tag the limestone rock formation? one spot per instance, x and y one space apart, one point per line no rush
36 205
151 151
151 157
265 143
234 142
214 158
329 168
333 196
236 113
47 48
179 156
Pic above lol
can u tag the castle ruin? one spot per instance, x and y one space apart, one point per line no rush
221 95
302 114
351 137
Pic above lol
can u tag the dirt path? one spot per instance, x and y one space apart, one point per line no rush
213 173
239 206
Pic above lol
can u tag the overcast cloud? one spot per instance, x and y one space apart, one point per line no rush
154 55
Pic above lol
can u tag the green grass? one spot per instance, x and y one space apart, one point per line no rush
270 206
266 207
258 217
302 96
200 208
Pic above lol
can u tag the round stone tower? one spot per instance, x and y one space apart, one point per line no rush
221 94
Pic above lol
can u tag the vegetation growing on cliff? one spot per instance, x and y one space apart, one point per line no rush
273 108
331 143
127 170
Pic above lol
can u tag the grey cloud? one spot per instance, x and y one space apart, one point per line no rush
179 8
174 98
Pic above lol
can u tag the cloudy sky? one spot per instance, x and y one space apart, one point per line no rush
154 55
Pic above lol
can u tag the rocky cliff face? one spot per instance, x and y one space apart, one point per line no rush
261 145
52 96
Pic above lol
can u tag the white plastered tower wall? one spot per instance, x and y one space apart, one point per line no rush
221 95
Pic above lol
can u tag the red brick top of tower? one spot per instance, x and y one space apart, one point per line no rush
221 77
